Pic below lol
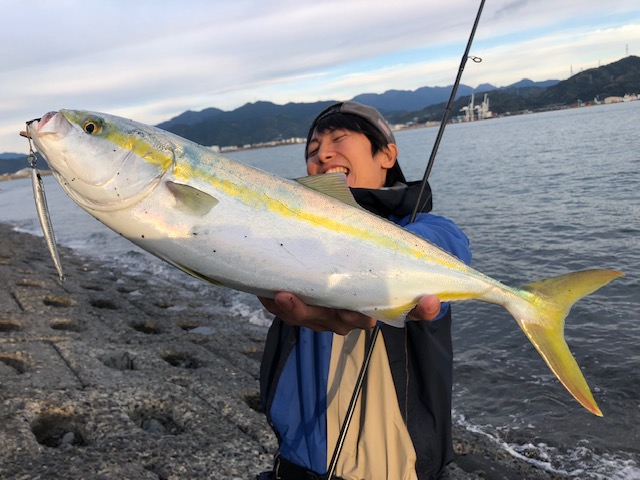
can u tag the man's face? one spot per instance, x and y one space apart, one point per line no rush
350 153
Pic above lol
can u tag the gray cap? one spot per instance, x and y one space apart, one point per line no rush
372 116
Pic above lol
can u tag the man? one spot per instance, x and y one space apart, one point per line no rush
401 427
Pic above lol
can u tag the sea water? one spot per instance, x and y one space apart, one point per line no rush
538 195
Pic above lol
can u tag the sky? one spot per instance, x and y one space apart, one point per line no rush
151 60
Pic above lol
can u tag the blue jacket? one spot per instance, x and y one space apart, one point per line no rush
295 375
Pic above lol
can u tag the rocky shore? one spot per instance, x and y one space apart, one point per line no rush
108 377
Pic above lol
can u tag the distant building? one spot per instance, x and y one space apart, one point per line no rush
628 97
482 110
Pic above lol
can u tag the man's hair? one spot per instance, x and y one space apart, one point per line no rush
352 123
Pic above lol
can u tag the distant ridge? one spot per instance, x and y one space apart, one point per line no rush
393 101
192 118
13 162
265 121
252 123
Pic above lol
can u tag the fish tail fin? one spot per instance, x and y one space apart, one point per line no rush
543 323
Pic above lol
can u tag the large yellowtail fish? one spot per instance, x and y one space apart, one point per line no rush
231 224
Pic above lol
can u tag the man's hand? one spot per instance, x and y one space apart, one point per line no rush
294 311
427 308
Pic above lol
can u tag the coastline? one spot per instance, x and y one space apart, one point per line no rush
109 376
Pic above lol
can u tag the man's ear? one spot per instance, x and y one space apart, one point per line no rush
390 154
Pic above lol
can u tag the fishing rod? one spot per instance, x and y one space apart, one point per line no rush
376 330
447 112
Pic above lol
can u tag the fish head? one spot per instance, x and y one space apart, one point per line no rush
103 162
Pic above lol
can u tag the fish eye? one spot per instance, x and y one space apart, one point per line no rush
92 126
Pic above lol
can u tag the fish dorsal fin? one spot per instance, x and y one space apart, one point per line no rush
190 200
332 184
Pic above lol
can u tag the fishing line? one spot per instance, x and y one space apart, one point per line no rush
376 330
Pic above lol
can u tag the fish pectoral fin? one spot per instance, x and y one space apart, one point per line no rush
331 184
190 200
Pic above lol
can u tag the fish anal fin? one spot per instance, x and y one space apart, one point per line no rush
198 275
394 316
331 184
190 200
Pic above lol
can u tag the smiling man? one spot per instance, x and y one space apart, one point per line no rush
402 425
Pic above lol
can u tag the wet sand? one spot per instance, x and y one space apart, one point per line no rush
107 377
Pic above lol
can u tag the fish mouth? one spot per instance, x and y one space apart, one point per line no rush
40 123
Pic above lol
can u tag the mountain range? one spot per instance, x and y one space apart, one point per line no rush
261 122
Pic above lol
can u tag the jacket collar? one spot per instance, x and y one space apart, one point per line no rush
398 200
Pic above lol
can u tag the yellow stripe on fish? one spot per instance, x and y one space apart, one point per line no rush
257 199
